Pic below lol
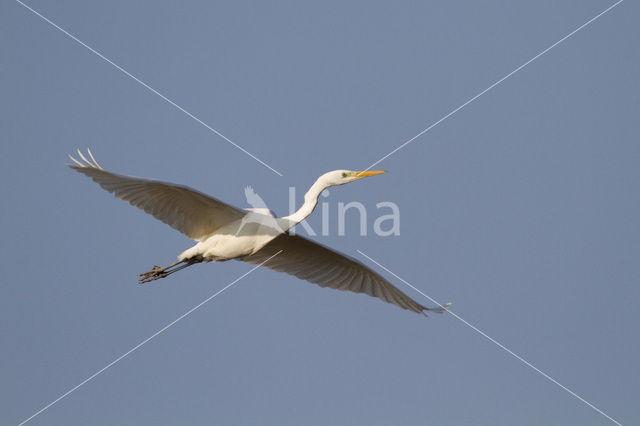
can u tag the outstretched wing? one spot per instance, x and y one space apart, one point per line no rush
320 265
194 214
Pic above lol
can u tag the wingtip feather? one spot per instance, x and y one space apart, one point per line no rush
95 163
75 161
83 157
441 308
87 163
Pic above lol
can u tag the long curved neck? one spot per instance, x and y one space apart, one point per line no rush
310 202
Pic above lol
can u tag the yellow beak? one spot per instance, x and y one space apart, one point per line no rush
369 173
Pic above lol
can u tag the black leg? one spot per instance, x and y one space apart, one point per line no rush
160 272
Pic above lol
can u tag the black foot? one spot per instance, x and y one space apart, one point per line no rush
158 272
154 274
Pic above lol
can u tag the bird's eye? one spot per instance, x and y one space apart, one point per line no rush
344 174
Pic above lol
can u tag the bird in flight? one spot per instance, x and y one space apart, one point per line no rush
222 232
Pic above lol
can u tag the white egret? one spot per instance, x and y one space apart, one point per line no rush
224 232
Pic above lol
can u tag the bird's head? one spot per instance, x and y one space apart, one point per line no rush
340 177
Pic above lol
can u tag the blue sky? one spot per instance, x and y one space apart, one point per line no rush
521 209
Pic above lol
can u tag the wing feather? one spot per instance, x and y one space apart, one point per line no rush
191 212
320 265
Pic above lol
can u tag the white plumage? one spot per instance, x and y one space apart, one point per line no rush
224 232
